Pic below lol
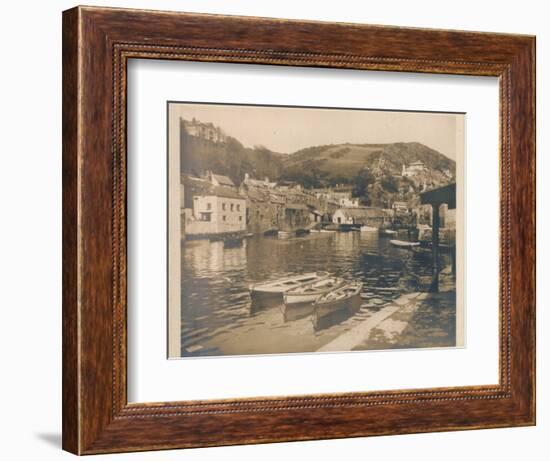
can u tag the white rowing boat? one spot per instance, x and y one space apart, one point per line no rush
285 234
404 244
271 293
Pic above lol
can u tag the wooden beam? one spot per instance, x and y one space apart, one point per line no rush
434 287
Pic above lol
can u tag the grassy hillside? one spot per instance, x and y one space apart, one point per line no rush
373 170
331 164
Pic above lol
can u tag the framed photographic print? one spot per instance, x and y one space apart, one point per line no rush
334 252
282 230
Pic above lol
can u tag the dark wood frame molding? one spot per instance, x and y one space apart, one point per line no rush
97 43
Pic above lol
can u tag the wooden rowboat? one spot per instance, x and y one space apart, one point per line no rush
346 299
309 292
404 244
271 293
298 302
271 232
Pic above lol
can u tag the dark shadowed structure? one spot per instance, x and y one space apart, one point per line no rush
435 198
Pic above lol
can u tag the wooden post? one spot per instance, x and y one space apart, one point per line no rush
434 287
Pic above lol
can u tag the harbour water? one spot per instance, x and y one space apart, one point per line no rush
218 317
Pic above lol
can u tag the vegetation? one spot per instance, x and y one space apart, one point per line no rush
230 158
372 170
361 184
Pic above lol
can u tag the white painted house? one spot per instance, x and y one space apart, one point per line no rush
368 216
218 212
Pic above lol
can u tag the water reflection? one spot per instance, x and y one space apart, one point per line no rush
217 315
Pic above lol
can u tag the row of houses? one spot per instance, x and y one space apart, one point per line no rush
364 216
418 218
339 196
213 204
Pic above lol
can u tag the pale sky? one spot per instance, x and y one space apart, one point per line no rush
288 129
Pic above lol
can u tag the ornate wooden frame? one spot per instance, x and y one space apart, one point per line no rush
97 43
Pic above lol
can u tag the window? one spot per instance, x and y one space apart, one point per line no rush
223 206
208 206
223 217
231 207
238 207
205 217
240 218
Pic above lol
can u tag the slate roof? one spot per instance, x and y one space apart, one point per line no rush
256 195
227 192
223 180
296 206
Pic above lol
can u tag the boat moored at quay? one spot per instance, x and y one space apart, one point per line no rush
298 302
271 293
404 244
345 301
309 292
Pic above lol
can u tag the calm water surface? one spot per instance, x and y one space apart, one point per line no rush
217 315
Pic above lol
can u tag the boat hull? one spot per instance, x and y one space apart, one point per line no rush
291 300
271 294
328 313
352 305
262 299
404 244
306 295
232 243
296 311
298 307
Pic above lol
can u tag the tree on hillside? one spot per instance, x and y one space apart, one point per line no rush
306 178
361 184
390 184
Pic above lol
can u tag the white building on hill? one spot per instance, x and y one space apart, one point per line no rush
413 169
207 131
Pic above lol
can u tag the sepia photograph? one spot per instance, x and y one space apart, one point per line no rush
311 229
277 226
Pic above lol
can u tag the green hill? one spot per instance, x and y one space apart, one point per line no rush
332 164
374 171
